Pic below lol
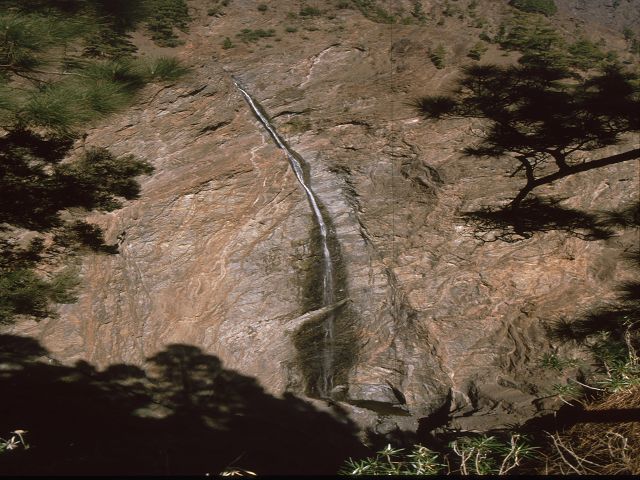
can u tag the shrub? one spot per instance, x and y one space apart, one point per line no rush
227 43
418 12
307 11
166 69
247 35
437 56
554 362
167 15
291 29
477 51
584 54
449 10
535 38
545 7
262 8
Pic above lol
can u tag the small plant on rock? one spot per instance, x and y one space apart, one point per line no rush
14 442
437 56
554 362
392 461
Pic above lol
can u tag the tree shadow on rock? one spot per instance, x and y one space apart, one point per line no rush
185 415
539 215
610 330
615 322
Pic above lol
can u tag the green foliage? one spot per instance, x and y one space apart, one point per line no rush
539 42
218 7
373 11
25 37
480 455
103 25
91 91
545 7
248 35
297 125
22 292
484 36
107 43
58 92
449 10
553 362
437 56
568 391
61 106
307 11
584 54
291 29
478 50
165 17
418 12
633 44
393 461
165 69
227 43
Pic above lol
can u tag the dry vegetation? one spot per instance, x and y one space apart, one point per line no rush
600 448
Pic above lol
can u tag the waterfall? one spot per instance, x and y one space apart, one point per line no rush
296 161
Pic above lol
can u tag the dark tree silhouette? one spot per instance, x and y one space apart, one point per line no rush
185 415
544 117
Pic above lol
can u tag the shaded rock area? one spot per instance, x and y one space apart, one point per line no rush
186 415
216 251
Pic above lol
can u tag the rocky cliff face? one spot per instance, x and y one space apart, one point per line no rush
612 14
219 250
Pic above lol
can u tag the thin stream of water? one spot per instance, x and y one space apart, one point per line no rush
326 380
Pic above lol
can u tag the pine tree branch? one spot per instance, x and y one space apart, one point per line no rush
573 170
